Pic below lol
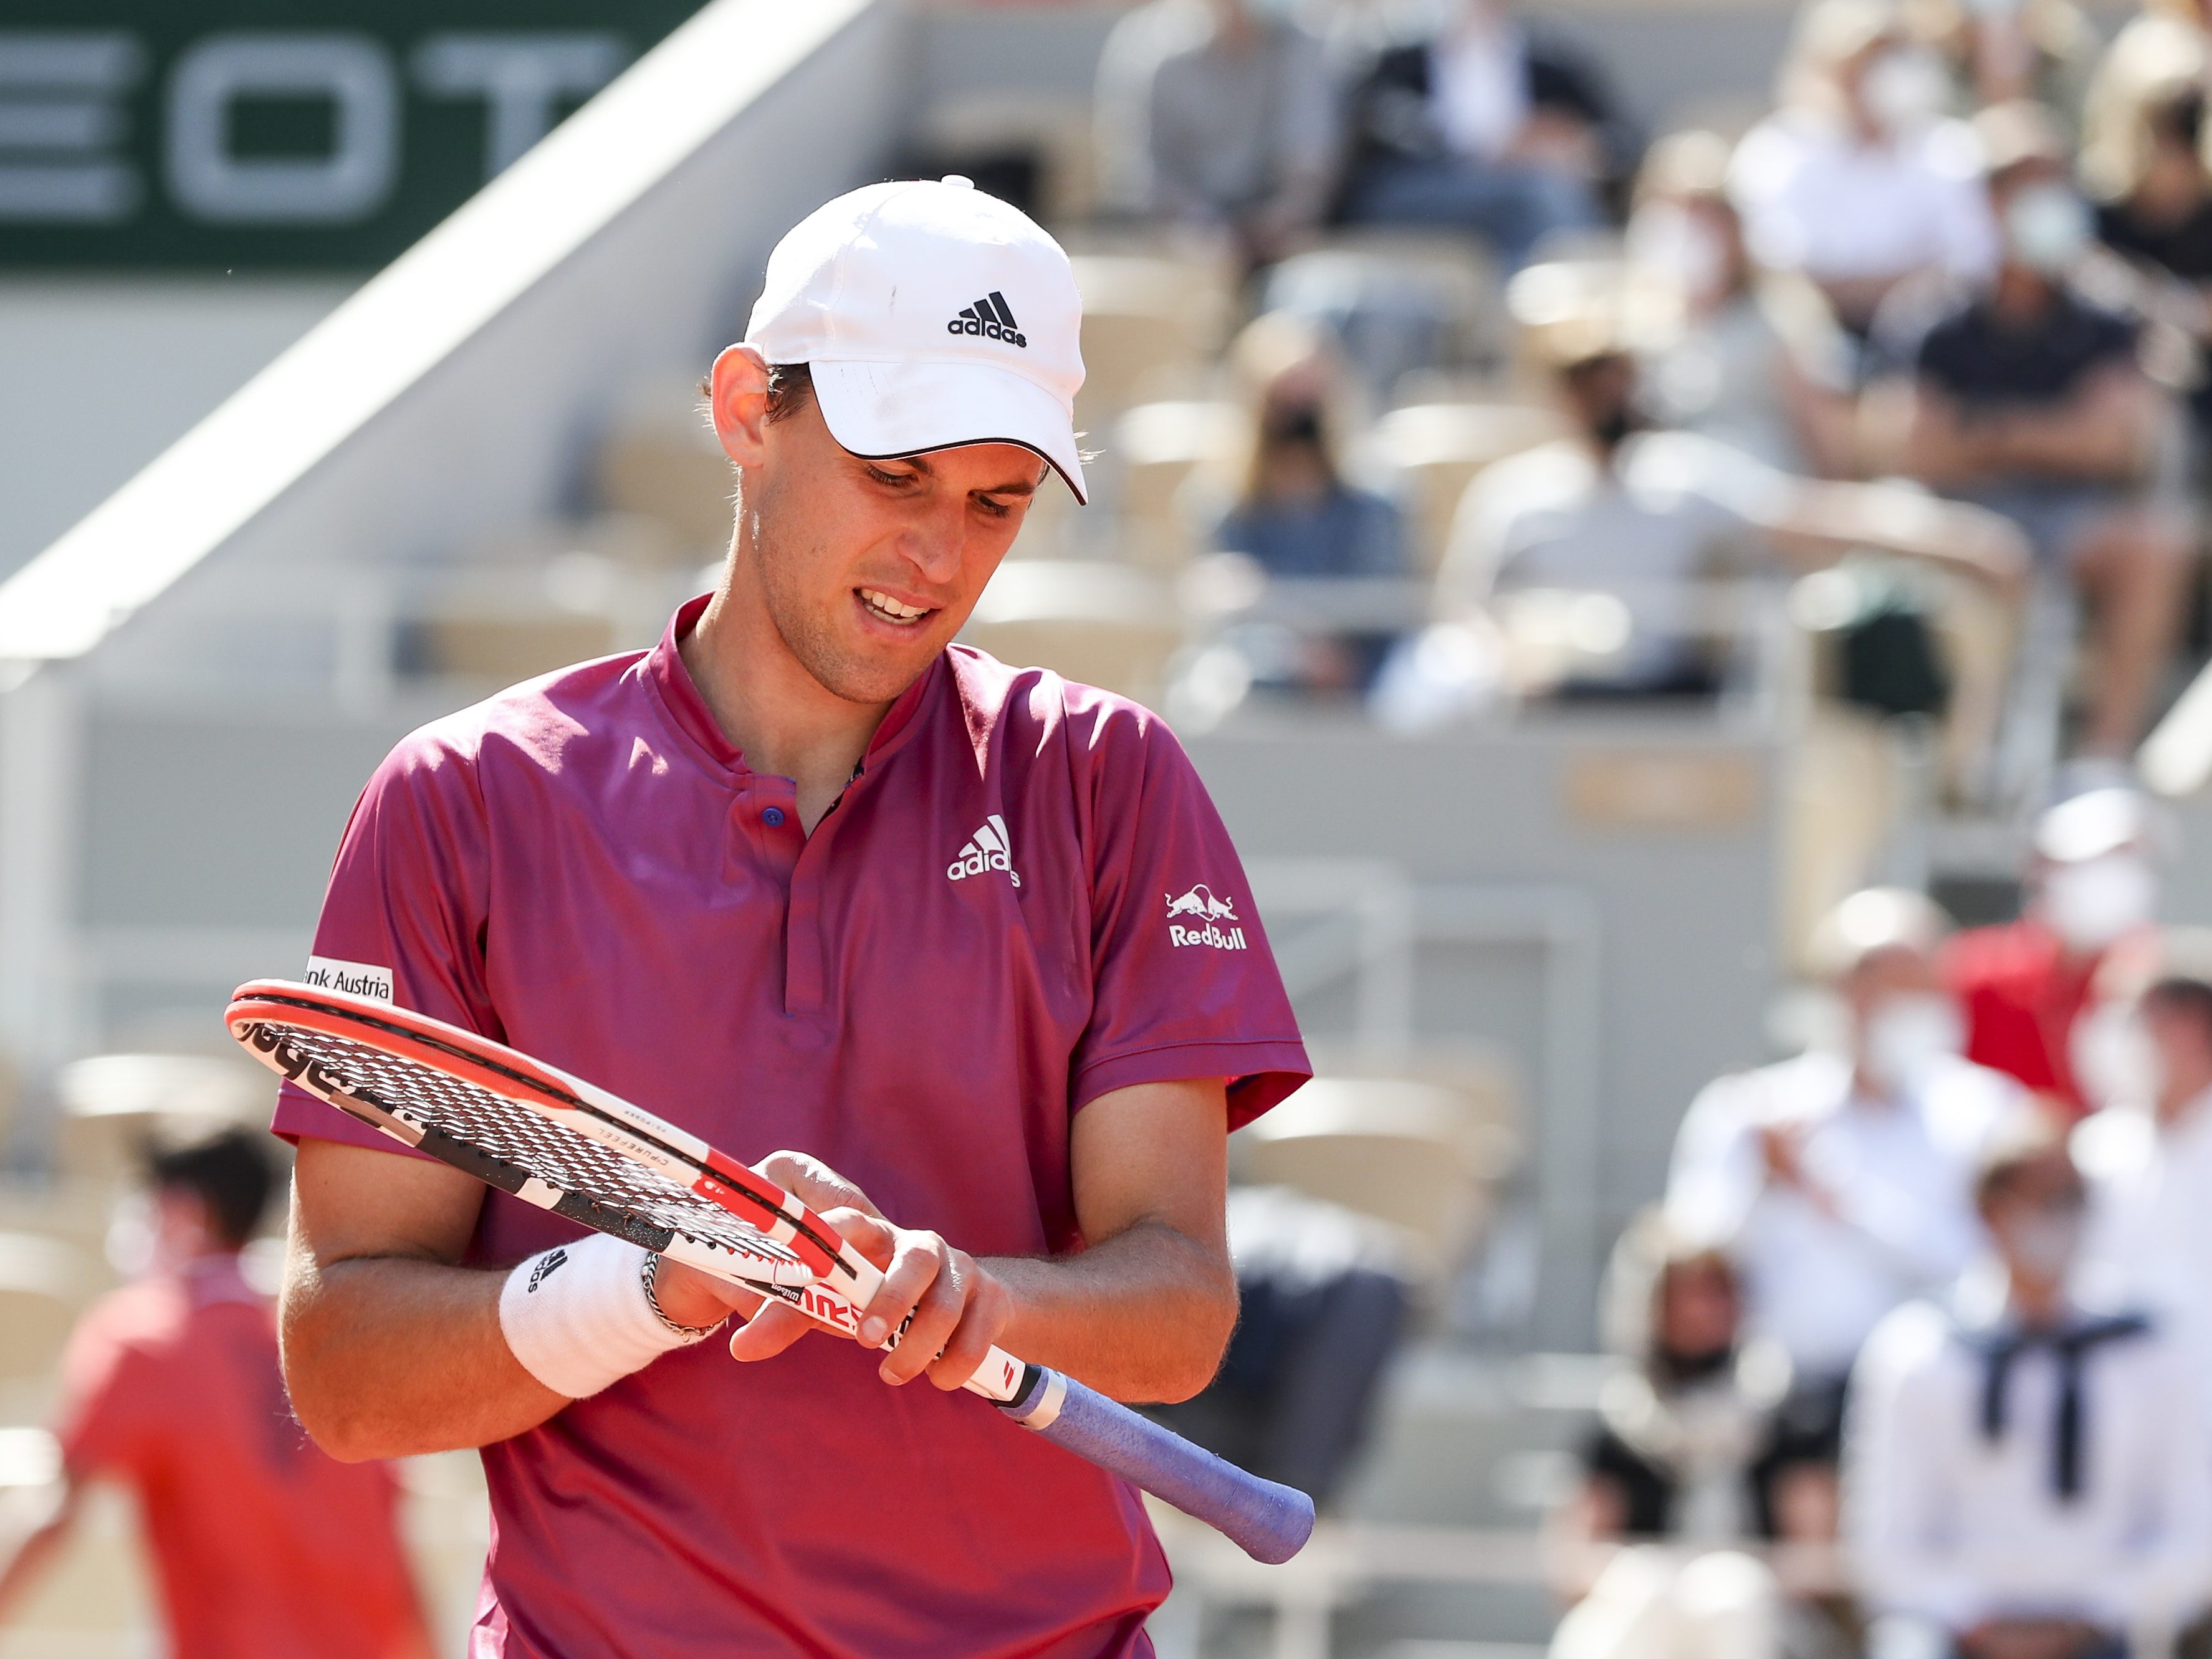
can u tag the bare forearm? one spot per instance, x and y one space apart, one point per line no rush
1144 1316
389 1357
33 1556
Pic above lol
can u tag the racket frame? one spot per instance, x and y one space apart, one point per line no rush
826 1278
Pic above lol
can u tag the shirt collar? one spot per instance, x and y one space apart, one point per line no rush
664 670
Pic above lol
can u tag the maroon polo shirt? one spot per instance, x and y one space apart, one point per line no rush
1023 901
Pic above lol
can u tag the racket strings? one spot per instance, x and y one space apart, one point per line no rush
429 1098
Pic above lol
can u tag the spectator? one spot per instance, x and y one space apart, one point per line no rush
1325 1296
1487 127
1856 181
1756 365
1294 513
2149 1161
2156 212
1839 1181
1694 1452
1614 509
263 1544
1997 50
2165 45
2026 396
1219 116
2027 986
2024 1473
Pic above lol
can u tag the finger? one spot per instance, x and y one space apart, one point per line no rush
982 1322
768 1332
818 1186
937 1313
917 1258
872 1236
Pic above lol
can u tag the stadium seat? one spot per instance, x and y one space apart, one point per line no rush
660 460
1159 447
44 1285
1048 129
1099 623
1438 450
1401 299
1404 1152
1151 326
112 1104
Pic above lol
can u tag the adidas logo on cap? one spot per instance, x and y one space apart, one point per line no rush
990 317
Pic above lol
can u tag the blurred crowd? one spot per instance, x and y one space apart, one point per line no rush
1941 308
1916 1349
1926 1306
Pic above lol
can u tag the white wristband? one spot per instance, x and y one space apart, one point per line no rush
577 1318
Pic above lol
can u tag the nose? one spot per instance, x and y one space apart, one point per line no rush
933 542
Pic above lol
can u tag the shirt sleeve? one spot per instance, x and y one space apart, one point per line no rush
407 895
2163 1585
1182 982
99 1423
1899 1487
1715 1176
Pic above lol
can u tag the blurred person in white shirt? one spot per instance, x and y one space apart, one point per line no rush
1219 117
2024 1473
1858 180
1756 361
1841 1181
2149 1158
1635 518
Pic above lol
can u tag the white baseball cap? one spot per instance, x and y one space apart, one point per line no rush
933 316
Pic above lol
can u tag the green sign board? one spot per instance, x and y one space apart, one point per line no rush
279 134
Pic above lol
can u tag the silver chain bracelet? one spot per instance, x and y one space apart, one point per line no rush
646 1271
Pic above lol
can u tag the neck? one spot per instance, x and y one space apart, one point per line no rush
785 722
2022 295
2179 1096
2039 1302
1869 1087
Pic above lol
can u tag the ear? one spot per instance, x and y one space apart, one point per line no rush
739 389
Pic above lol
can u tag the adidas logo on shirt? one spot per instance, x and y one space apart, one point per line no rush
989 848
991 317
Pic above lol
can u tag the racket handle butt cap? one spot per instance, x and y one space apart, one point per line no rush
1270 1523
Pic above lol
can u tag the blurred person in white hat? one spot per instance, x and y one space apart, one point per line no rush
807 874
2030 988
1841 1180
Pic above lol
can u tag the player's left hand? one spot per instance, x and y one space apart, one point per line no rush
959 1309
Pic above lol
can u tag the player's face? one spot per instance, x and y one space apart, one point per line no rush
869 567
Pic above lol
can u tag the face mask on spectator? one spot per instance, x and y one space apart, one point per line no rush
2045 1239
1292 423
2091 904
1904 1034
1673 240
1905 87
2046 227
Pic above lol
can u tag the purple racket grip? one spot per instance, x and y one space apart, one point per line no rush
1269 1522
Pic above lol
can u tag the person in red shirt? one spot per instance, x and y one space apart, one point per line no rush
2026 986
265 1546
807 874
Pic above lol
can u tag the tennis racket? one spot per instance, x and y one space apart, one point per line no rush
560 1143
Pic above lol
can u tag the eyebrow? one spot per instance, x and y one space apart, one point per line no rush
920 464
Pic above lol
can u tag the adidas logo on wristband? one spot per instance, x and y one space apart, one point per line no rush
544 1270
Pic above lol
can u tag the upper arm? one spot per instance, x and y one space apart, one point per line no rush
1154 1152
351 1201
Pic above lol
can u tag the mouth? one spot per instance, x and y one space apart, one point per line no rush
896 613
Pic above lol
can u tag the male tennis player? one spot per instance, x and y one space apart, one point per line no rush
805 875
